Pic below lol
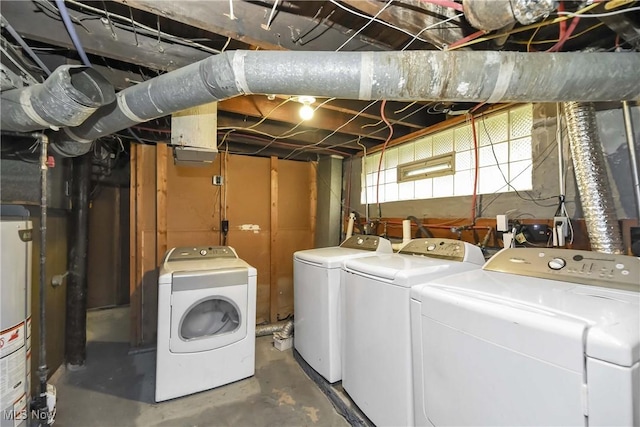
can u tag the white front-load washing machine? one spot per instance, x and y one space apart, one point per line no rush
316 284
537 337
376 368
206 320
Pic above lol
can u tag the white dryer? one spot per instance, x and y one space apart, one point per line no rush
206 320
376 369
316 284
537 337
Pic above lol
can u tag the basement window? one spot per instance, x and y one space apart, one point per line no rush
448 161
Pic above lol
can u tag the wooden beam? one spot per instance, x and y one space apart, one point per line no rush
415 16
98 39
313 200
286 31
364 109
162 155
133 247
227 121
273 283
260 106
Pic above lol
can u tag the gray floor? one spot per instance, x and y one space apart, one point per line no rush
117 389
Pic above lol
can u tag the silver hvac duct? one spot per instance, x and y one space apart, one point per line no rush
489 15
458 76
591 178
68 96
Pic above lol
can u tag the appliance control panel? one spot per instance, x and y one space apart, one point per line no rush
436 248
363 242
568 265
190 253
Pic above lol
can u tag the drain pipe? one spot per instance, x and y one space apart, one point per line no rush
68 96
631 144
43 371
457 76
76 317
591 178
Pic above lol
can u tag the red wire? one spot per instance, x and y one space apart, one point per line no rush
446 3
556 47
563 24
477 170
384 147
466 39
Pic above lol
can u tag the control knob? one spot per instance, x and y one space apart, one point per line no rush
557 264
203 252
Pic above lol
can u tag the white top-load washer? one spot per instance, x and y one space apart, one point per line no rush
206 320
316 284
376 369
537 337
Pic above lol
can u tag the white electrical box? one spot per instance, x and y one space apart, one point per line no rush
502 223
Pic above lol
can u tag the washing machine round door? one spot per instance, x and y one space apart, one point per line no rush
205 319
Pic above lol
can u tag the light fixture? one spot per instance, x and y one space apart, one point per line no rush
306 111
428 168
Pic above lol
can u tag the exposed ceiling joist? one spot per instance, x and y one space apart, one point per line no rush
287 111
35 23
417 17
249 24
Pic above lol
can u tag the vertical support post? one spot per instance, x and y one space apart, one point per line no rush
162 151
43 370
137 259
313 200
133 240
76 317
273 283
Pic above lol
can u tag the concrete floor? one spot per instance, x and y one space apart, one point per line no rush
117 388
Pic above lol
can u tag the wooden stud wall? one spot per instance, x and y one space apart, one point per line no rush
270 206
143 259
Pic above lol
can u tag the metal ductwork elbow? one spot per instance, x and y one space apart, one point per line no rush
67 98
489 15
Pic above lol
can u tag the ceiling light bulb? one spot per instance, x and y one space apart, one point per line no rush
306 112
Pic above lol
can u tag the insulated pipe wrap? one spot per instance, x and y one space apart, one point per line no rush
457 76
591 178
489 15
68 96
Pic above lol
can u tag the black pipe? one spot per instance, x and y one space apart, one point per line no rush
357 222
76 321
43 370
421 229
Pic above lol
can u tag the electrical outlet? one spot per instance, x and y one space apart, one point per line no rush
217 180
560 230
561 221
